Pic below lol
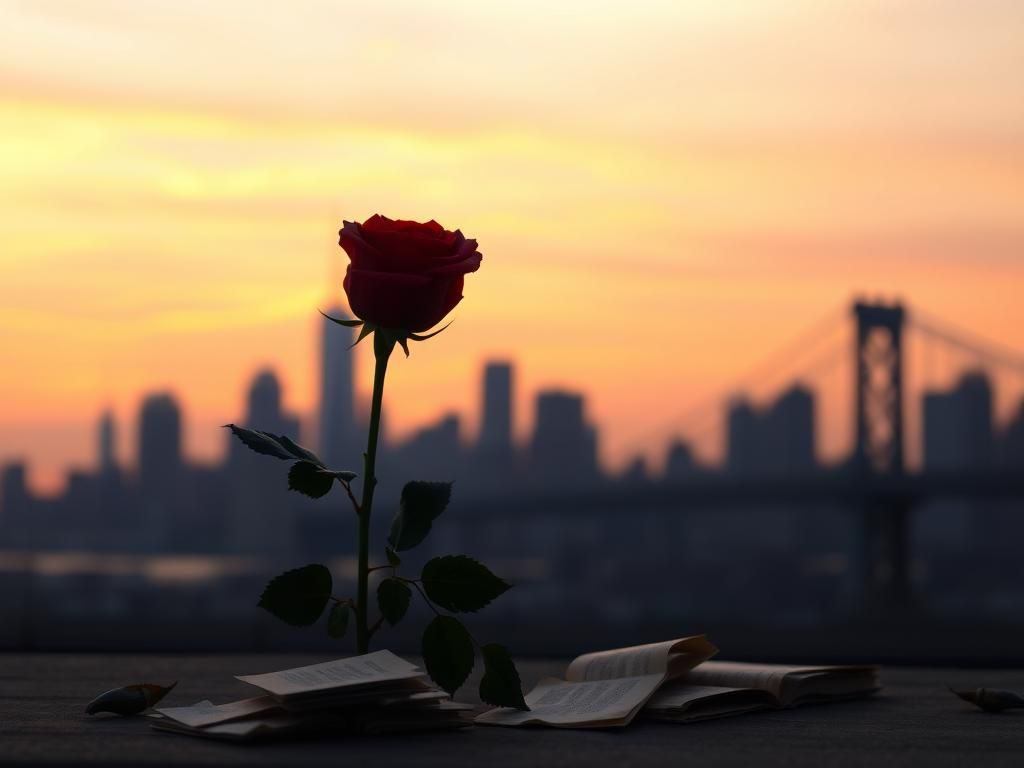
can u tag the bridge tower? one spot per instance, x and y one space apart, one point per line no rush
879 454
879 388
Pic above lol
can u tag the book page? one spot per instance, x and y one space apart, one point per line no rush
669 658
241 730
351 696
736 674
679 694
681 702
596 703
206 713
783 681
825 684
378 667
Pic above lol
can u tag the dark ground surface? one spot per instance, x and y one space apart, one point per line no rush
914 722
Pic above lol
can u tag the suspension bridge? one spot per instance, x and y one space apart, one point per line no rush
872 476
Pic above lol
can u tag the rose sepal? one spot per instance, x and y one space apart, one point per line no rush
339 321
393 335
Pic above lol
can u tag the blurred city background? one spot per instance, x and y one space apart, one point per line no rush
770 536
745 354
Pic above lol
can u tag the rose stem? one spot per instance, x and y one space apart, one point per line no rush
382 347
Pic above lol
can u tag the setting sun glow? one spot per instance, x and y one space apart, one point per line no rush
663 192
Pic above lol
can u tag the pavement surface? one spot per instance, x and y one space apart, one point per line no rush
915 721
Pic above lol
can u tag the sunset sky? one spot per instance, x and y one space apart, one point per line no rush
664 193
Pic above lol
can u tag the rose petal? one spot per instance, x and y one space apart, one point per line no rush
360 252
430 227
467 259
408 251
407 302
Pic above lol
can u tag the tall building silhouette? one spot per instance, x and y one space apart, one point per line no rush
679 463
495 442
958 435
775 440
338 437
1011 441
261 511
563 449
265 410
14 506
160 454
102 497
434 451
161 466
743 452
106 437
958 425
788 438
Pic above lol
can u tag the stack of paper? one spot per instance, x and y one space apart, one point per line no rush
371 694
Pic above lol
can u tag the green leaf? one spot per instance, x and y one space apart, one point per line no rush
261 442
308 475
337 620
393 559
447 652
421 504
460 583
298 597
343 474
339 321
298 451
309 479
500 686
393 597
269 444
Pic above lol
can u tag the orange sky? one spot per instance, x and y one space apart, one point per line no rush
664 192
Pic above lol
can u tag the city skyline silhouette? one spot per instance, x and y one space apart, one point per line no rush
959 431
339 414
870 535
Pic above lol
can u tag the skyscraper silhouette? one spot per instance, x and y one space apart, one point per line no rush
774 440
495 443
337 439
261 511
14 506
264 406
160 465
434 451
563 451
679 463
106 434
788 438
743 438
958 436
1011 441
958 425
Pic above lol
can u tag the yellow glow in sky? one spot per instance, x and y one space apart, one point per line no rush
663 192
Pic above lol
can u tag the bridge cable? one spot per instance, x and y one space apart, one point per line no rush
991 351
796 348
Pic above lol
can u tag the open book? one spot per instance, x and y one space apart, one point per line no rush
605 689
721 688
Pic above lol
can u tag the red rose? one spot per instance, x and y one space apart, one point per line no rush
403 274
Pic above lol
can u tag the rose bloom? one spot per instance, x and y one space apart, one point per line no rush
405 275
